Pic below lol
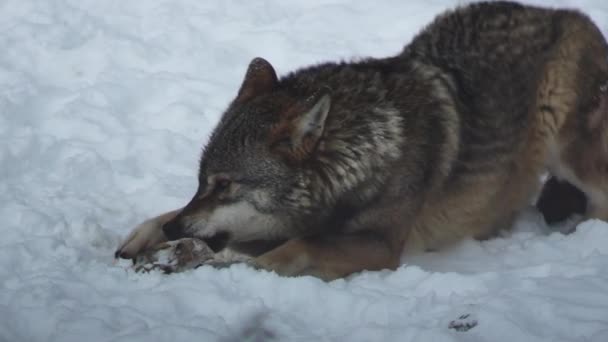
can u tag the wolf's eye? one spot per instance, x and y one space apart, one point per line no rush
222 184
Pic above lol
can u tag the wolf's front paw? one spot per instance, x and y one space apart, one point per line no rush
146 235
174 256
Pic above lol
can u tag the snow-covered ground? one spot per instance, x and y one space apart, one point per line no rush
104 108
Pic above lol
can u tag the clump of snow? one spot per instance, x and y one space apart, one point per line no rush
104 107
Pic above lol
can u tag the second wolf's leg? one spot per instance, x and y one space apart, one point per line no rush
146 235
559 200
573 111
584 159
330 257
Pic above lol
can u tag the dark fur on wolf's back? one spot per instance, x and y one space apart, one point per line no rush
353 163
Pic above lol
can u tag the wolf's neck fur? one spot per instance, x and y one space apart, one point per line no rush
369 127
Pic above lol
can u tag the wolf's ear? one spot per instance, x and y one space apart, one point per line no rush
304 125
311 123
259 79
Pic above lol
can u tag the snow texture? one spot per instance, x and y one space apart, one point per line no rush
104 108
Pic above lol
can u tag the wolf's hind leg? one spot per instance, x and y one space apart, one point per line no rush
146 235
330 257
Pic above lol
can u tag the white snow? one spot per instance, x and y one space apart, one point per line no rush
104 108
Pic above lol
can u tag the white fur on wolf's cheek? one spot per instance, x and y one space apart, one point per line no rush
243 222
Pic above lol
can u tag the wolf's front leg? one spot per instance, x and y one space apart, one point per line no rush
146 235
331 257
185 254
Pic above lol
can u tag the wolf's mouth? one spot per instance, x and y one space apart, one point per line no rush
218 241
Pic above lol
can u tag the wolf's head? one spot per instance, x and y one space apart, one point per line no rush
253 177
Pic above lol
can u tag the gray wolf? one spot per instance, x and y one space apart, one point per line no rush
342 167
